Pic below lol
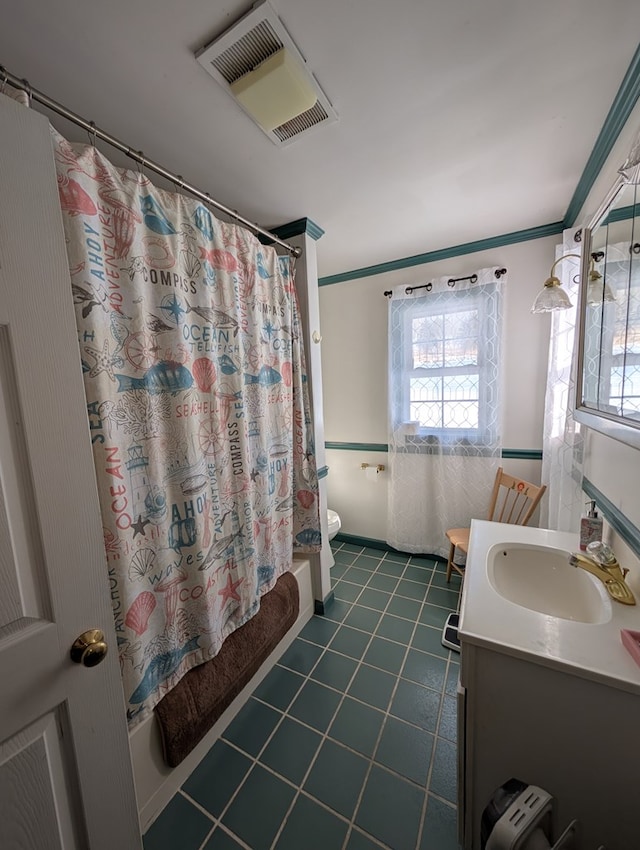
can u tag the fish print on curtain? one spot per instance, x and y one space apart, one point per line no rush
198 411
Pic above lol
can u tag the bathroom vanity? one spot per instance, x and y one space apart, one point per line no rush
547 693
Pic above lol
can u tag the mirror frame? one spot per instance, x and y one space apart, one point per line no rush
614 426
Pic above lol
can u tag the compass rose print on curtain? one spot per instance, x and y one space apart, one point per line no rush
196 391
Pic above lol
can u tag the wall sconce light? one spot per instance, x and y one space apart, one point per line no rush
552 296
598 290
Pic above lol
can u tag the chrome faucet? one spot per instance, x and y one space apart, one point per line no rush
602 563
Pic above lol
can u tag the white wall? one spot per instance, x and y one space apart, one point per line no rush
353 318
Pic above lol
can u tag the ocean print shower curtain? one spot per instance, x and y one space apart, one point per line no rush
196 393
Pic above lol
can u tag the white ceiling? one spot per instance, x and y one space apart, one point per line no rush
459 119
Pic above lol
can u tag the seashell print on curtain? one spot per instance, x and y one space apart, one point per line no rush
198 410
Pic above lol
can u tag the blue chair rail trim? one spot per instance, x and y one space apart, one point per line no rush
614 516
509 454
358 447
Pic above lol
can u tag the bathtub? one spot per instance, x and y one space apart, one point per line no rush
155 782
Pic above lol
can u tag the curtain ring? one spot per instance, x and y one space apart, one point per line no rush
141 162
451 282
178 183
5 77
91 132
576 279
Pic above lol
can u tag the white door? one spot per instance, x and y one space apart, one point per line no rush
65 772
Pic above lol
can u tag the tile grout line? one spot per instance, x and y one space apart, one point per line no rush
255 760
427 783
251 757
444 695
382 725
326 733
361 701
388 714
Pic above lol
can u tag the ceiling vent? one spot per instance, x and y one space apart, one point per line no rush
243 60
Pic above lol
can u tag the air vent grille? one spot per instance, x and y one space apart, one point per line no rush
245 45
316 115
248 52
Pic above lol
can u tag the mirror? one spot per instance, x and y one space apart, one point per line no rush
608 375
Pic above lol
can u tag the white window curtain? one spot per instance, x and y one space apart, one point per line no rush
563 440
445 418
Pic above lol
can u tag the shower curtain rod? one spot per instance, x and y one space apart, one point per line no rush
138 156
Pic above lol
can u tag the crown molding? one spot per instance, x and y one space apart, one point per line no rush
621 108
445 253
297 228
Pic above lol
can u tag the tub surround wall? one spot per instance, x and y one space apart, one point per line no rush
354 362
304 233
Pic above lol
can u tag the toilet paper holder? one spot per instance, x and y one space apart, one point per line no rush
379 467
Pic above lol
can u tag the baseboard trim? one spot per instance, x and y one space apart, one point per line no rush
382 545
321 606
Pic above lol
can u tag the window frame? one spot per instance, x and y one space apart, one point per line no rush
443 304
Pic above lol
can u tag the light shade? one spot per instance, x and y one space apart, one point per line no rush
551 297
598 290
276 91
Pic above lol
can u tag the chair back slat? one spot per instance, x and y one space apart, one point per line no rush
513 500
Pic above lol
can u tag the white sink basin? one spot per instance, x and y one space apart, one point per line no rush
541 579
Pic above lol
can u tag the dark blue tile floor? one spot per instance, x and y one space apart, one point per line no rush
350 741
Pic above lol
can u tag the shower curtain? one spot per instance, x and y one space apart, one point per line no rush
198 409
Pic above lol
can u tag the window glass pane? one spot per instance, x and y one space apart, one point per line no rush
461 387
460 414
427 341
425 389
428 414
461 352
616 383
428 354
461 331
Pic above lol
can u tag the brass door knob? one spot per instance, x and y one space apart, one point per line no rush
89 649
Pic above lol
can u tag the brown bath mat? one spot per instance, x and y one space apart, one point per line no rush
188 711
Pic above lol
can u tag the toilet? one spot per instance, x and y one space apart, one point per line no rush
333 521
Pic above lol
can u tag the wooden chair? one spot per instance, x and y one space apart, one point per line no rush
512 501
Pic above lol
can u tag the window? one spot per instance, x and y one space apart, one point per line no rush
445 345
444 373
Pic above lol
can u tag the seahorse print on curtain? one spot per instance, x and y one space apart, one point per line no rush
198 411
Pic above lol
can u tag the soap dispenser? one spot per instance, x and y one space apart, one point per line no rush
590 526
